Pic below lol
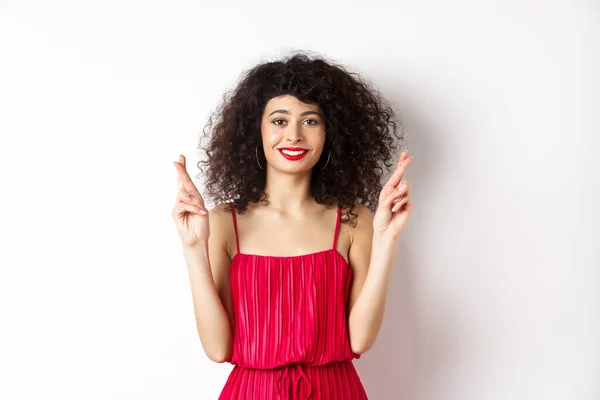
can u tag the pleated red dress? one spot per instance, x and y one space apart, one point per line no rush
291 336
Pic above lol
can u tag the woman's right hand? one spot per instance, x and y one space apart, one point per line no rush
189 213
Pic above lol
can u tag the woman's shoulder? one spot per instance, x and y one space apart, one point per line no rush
221 225
361 215
220 213
358 223
361 209
222 208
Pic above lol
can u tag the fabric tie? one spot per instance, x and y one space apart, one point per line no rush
283 383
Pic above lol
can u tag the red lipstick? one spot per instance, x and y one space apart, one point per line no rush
293 157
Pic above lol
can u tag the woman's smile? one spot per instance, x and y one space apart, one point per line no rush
293 153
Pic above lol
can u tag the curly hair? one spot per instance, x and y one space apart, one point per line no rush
361 127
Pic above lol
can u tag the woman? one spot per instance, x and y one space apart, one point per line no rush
289 272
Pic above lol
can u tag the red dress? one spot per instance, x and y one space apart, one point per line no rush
291 336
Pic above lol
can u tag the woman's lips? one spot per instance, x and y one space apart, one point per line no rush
293 158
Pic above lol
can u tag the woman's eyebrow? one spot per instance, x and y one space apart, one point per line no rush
281 111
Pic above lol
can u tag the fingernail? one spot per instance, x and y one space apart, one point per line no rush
395 208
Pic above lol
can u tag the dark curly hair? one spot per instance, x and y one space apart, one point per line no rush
361 127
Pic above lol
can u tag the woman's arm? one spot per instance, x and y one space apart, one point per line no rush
371 260
208 268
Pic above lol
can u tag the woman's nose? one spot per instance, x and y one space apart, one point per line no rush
294 134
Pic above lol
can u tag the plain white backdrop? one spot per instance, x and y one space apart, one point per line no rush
494 293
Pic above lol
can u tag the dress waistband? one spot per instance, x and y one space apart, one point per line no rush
291 390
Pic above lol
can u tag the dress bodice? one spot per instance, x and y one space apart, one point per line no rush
290 309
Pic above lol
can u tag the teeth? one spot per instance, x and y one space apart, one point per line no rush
293 153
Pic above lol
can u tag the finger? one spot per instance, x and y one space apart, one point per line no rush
404 185
194 201
185 180
191 198
393 191
393 198
400 203
403 156
182 195
402 182
399 173
404 195
183 163
181 208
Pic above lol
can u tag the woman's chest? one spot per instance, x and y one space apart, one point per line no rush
300 281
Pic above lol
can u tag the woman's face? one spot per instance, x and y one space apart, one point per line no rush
289 123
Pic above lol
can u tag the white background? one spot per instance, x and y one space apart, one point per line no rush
494 293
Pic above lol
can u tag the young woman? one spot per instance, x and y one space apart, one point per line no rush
289 272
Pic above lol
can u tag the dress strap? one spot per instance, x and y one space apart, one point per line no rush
337 228
237 243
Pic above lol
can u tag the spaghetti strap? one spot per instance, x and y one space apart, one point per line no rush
337 227
237 243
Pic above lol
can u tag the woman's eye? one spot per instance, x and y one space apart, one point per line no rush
283 121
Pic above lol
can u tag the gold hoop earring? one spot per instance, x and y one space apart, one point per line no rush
256 152
328 157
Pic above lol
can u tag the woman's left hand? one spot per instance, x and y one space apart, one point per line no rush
394 203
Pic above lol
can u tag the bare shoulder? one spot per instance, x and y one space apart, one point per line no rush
221 226
220 211
364 221
220 216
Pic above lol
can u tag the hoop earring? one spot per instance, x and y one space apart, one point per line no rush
256 152
328 157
